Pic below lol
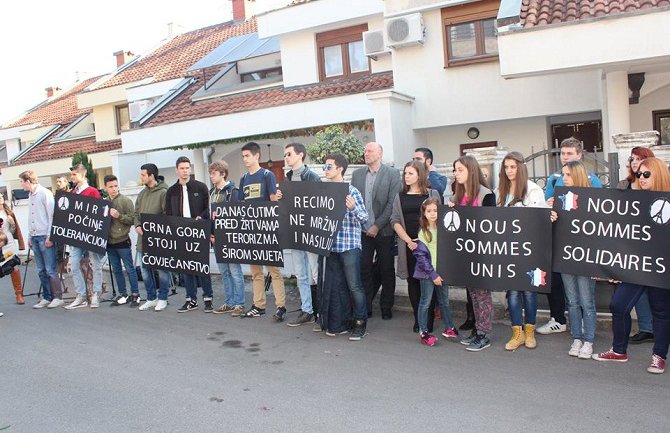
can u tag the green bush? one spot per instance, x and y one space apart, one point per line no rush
82 158
334 139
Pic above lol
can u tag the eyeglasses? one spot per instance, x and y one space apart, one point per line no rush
327 167
646 174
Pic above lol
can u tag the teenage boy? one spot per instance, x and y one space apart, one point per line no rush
343 289
294 157
122 212
40 218
261 184
571 150
151 200
437 181
81 186
189 198
224 191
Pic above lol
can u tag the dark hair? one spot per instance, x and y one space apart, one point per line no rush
475 180
79 168
422 174
298 148
427 153
181 160
424 225
643 153
340 161
110 178
520 182
151 170
572 142
252 147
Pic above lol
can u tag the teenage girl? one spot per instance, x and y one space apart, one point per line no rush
424 271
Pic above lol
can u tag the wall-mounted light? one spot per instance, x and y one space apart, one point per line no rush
473 133
270 162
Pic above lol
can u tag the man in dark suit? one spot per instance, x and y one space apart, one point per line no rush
379 184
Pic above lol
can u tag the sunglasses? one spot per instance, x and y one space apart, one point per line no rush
646 174
327 166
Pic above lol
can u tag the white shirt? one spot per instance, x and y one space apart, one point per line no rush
185 208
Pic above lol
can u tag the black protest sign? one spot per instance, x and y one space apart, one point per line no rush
81 221
613 234
175 244
495 248
247 232
310 214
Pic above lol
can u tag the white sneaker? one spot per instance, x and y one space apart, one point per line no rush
148 304
43 303
95 301
586 351
55 303
161 305
79 302
576 348
551 327
2 314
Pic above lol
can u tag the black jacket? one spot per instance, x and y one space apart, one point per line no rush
198 199
306 175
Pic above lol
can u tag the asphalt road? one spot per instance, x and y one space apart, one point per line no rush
123 370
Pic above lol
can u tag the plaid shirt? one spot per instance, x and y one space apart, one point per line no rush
349 235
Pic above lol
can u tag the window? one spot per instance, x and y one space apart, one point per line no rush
341 54
470 33
261 75
122 118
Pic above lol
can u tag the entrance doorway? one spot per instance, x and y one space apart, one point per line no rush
589 133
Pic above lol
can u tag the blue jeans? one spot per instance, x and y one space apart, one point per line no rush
150 283
116 255
45 260
302 269
580 296
643 311
191 283
76 254
442 292
349 263
515 305
233 283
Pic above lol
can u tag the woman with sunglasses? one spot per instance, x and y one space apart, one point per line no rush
515 189
642 308
652 175
405 221
471 189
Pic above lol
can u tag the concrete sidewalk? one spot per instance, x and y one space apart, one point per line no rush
123 370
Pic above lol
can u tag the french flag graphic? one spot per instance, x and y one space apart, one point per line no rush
569 200
537 277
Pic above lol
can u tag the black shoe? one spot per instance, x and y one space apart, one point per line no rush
641 337
302 319
416 328
467 325
369 314
359 330
279 314
119 300
253 312
208 307
387 315
188 306
134 301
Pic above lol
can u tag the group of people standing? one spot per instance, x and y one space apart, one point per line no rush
388 214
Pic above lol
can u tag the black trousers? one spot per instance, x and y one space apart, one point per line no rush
557 298
382 246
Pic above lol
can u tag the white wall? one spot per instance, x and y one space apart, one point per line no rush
640 114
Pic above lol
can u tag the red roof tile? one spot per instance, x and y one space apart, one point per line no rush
182 108
59 110
172 59
46 151
543 12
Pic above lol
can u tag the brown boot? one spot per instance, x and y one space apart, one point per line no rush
16 282
517 339
529 330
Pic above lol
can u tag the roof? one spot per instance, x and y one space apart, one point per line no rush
238 48
59 110
46 151
544 12
182 108
172 59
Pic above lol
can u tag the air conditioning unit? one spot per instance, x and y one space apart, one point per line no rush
374 43
404 31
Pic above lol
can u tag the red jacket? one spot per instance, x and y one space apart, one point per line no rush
89 192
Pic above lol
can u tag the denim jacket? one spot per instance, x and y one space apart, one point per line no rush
424 268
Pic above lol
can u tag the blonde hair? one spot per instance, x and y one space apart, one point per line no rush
28 176
578 172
